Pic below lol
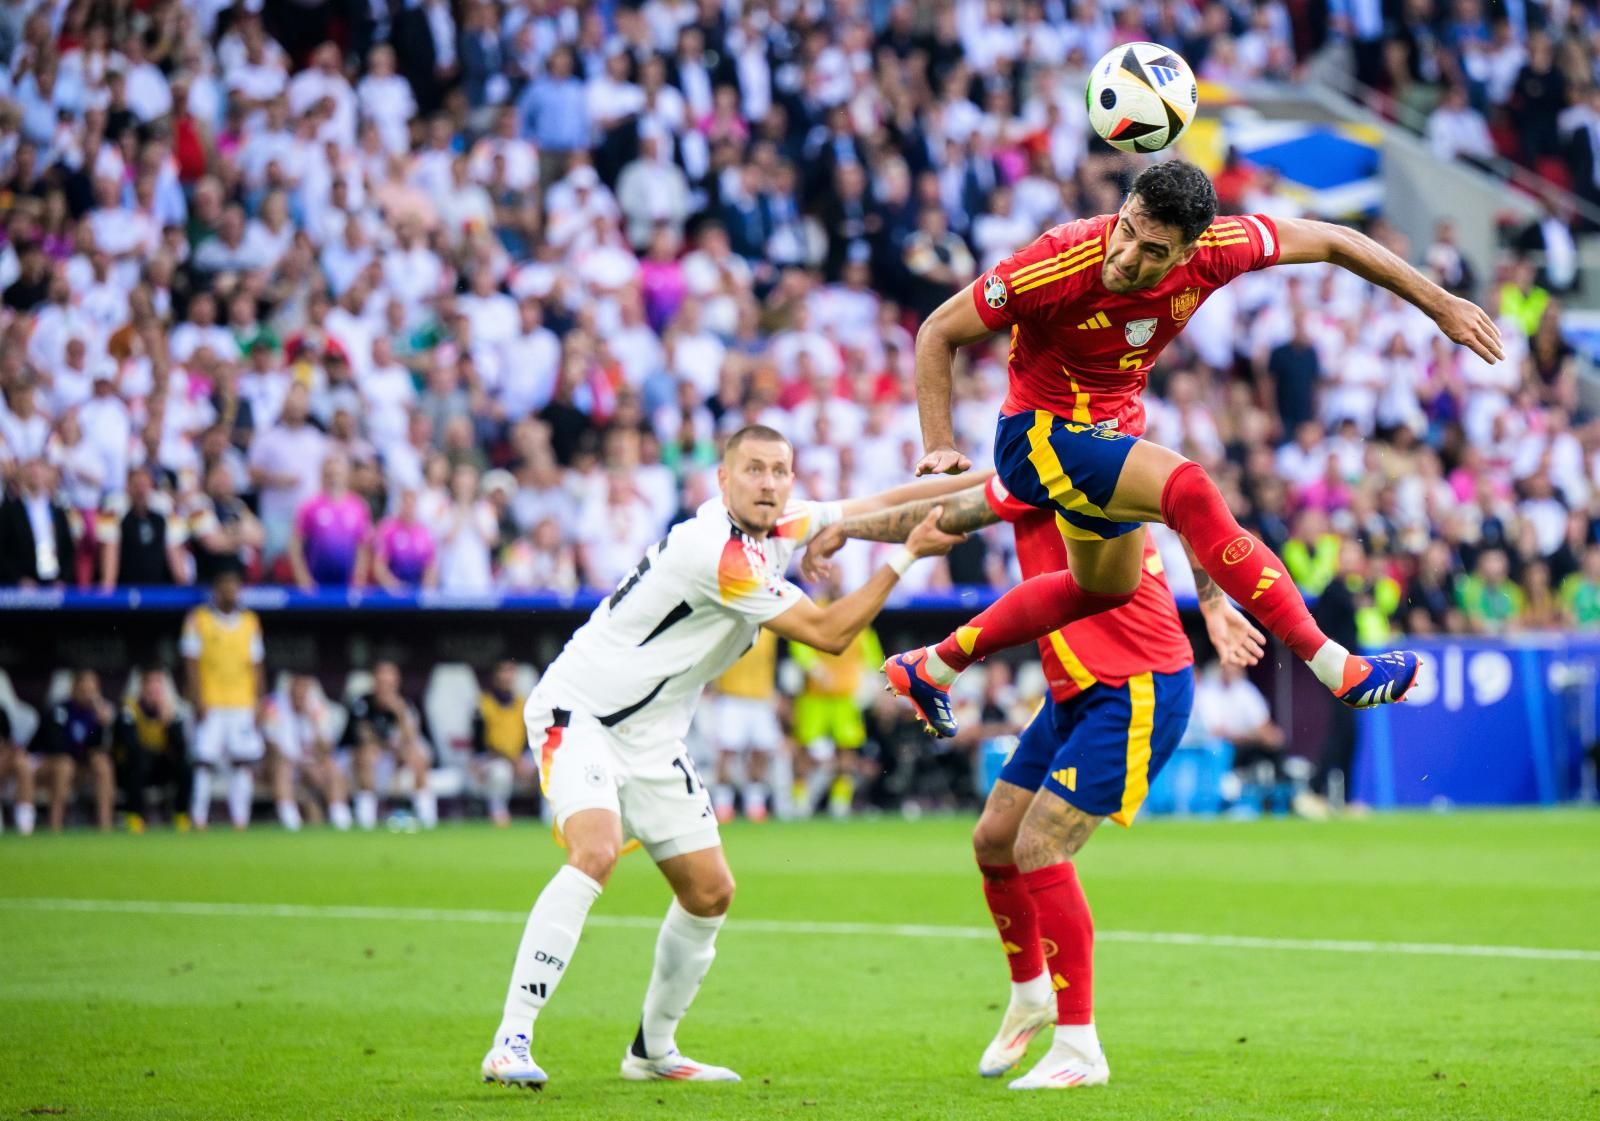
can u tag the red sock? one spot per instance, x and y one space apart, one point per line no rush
1027 612
1012 909
1066 930
1241 564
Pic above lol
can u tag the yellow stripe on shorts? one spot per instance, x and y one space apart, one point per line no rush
1142 722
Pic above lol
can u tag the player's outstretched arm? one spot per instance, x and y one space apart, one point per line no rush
953 325
923 491
960 513
1304 241
833 628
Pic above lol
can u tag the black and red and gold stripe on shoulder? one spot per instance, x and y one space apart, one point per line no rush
1074 259
1223 232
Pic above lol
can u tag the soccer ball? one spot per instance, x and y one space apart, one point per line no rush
1141 97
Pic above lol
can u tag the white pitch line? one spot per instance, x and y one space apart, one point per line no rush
783 926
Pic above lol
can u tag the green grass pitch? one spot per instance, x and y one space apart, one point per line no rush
382 1010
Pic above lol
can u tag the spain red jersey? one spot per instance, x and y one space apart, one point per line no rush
1144 636
1084 353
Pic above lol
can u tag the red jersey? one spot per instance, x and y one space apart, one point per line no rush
1144 636
1084 353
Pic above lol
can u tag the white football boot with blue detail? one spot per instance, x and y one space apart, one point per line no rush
510 1064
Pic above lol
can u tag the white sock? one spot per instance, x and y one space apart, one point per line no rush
722 796
339 815
26 814
1080 1038
426 804
241 788
755 799
1032 993
684 951
367 809
200 796
289 816
1328 664
554 926
499 806
818 781
938 670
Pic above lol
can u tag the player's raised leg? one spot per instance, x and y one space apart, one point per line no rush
1052 833
1153 484
1107 576
1031 1005
593 838
702 890
1158 483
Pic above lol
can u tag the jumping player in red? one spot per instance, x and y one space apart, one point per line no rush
1090 306
1121 687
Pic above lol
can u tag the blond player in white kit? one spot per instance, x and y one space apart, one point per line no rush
608 719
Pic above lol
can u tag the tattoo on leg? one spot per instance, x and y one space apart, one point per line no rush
1052 832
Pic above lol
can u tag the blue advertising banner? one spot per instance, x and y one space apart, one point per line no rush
1489 722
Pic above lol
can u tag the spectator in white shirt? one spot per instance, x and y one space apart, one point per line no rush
24 430
612 542
652 189
286 467
467 535
531 362
106 424
1456 129
386 99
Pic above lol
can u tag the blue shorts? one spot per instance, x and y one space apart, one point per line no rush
1069 468
1100 751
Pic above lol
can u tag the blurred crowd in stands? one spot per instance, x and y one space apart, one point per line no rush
463 295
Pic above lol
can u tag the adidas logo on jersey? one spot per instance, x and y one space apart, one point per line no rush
1095 322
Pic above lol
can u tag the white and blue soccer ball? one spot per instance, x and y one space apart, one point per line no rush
1141 97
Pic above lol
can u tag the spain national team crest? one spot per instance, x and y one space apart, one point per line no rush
994 292
1184 303
1139 331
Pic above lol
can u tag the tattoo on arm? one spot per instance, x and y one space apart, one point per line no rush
964 512
1205 588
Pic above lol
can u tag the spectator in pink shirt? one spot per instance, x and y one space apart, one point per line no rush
329 542
403 553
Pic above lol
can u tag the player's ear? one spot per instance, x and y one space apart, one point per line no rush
1188 253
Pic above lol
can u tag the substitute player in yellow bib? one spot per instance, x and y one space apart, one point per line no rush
501 757
828 729
741 723
225 680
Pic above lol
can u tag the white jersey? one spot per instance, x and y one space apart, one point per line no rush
689 610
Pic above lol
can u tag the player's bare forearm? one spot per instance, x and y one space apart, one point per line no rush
919 491
833 628
965 511
953 325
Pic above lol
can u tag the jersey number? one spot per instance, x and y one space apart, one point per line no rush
1133 360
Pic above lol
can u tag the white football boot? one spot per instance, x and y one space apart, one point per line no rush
509 1063
671 1067
1021 1023
1064 1067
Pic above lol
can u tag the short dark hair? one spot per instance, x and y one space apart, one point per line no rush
1177 193
754 432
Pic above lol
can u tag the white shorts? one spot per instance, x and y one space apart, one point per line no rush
230 733
584 766
743 724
